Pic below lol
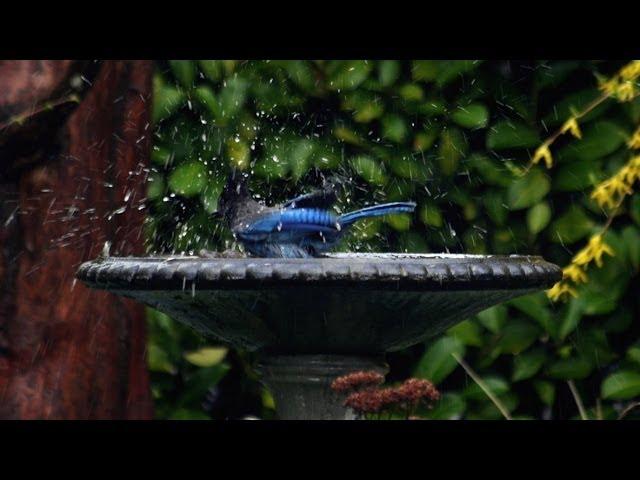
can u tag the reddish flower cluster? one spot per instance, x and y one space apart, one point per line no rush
367 401
357 381
366 398
414 390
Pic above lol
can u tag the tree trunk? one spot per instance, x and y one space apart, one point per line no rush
74 149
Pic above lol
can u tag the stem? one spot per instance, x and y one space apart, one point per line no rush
576 397
626 411
483 386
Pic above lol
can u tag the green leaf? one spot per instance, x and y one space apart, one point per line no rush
166 101
411 92
212 69
474 116
577 175
405 166
517 335
599 139
394 128
633 353
527 364
424 70
634 209
574 103
158 360
492 173
185 71
449 70
451 406
232 97
528 190
347 74
572 226
205 97
238 152
494 204
453 147
369 169
468 332
388 72
571 318
538 217
188 414
506 134
400 222
555 73
437 362
188 179
155 186
494 318
573 368
536 305
631 239
431 215
206 357
495 384
621 385
301 73
606 285
546 391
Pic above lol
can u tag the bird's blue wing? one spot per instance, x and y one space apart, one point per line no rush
292 221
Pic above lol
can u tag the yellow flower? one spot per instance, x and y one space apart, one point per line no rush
631 71
603 195
571 125
609 87
574 273
543 152
599 248
626 91
560 291
593 251
634 141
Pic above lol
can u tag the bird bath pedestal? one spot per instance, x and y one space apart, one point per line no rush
313 320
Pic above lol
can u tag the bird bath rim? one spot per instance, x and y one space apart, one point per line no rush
406 271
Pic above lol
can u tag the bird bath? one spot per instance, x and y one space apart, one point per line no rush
312 320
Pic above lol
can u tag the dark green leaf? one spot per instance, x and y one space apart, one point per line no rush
621 385
437 362
504 135
538 217
475 115
527 364
528 190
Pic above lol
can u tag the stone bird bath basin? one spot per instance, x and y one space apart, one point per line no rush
312 320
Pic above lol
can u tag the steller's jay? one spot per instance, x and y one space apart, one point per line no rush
302 227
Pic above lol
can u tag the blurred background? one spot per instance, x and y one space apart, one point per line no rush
502 157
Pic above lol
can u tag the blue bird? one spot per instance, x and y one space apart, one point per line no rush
300 228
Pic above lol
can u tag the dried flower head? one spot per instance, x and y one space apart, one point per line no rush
415 390
357 381
366 401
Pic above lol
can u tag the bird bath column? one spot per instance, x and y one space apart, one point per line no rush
315 319
301 384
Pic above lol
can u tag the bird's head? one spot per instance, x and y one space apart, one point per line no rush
233 194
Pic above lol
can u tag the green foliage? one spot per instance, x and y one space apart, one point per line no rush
450 135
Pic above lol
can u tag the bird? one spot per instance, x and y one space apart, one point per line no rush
302 227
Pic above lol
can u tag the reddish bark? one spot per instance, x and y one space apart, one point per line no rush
67 351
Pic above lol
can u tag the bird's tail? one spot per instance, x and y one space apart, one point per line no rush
376 211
